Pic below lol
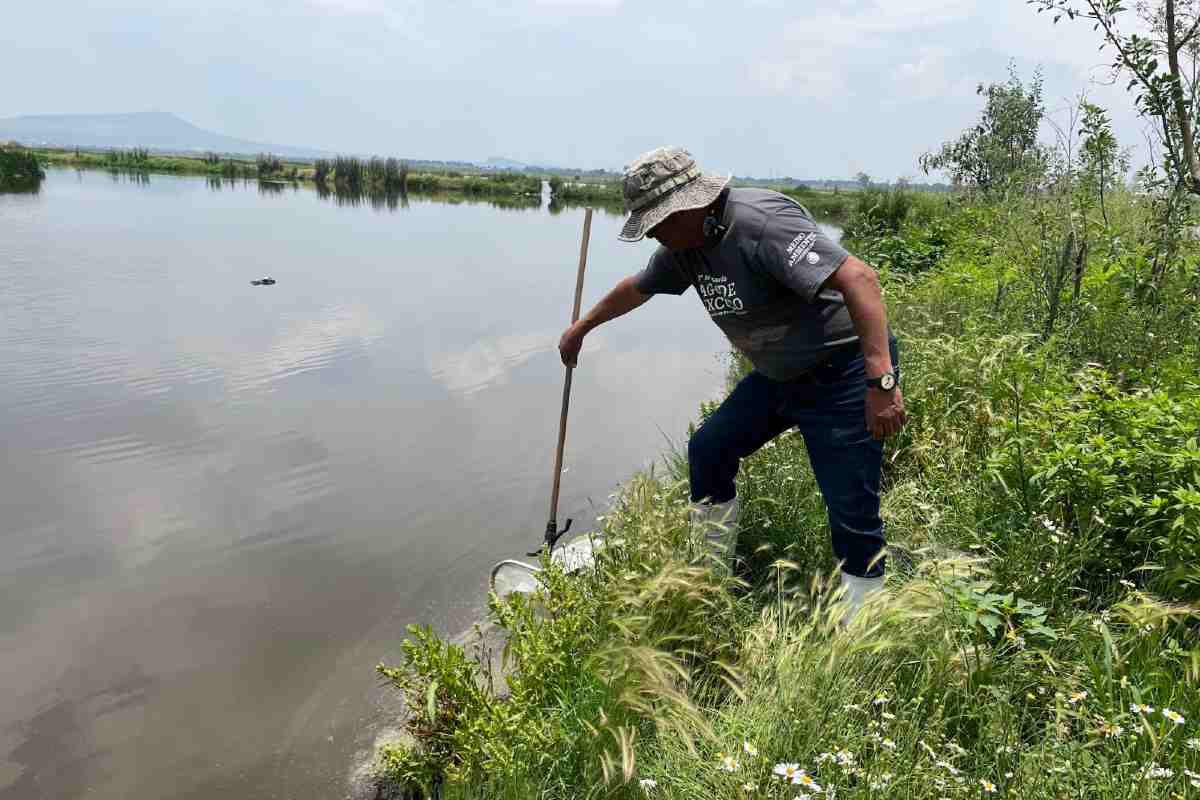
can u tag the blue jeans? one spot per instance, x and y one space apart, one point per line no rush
827 405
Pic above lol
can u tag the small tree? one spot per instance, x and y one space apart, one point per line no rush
1102 163
1168 97
1001 151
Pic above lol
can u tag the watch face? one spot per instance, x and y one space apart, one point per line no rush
887 381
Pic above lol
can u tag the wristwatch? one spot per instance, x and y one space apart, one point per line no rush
886 382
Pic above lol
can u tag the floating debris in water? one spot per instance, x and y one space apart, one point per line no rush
263 282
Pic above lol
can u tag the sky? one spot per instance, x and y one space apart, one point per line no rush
770 88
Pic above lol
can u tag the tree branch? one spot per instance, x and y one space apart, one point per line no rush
1181 116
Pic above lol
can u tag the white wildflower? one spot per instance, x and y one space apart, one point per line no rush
647 784
728 763
787 771
988 786
1174 716
805 780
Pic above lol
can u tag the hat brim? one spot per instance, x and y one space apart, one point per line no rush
696 194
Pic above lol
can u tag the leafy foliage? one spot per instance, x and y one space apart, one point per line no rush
19 169
1001 151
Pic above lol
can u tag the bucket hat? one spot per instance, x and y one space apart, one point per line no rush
661 182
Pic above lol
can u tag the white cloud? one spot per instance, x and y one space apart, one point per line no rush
821 46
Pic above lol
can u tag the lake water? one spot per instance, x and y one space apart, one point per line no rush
223 503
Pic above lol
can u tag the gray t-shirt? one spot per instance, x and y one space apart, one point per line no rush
761 283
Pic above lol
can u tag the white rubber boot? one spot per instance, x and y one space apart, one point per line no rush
857 591
715 524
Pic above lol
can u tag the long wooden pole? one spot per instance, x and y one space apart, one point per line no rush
552 525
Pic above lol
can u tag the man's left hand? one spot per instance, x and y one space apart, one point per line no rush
885 412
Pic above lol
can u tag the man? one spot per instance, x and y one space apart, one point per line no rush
807 315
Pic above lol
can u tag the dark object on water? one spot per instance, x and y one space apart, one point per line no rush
263 282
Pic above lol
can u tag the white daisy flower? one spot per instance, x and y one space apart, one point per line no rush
1174 716
1141 708
805 780
787 771
647 784
988 786
728 763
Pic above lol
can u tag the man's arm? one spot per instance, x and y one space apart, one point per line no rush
860 288
621 299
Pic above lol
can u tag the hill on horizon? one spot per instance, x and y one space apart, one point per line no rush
154 130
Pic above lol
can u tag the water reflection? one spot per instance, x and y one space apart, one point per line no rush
344 196
223 503
136 177
274 187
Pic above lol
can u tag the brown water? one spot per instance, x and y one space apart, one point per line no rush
223 503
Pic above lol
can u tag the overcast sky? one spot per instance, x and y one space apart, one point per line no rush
812 88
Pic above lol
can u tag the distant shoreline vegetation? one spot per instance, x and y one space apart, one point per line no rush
384 182
341 175
20 170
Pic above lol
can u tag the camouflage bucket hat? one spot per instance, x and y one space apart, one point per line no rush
662 182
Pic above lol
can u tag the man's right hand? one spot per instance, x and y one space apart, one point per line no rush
569 344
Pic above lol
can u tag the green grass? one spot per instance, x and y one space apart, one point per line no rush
1044 515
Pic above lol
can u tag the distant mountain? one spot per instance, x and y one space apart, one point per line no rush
154 130
496 162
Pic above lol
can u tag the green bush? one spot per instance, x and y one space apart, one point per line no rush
19 169
1119 469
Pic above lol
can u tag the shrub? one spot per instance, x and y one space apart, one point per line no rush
19 169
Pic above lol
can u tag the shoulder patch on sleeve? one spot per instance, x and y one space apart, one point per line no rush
801 246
